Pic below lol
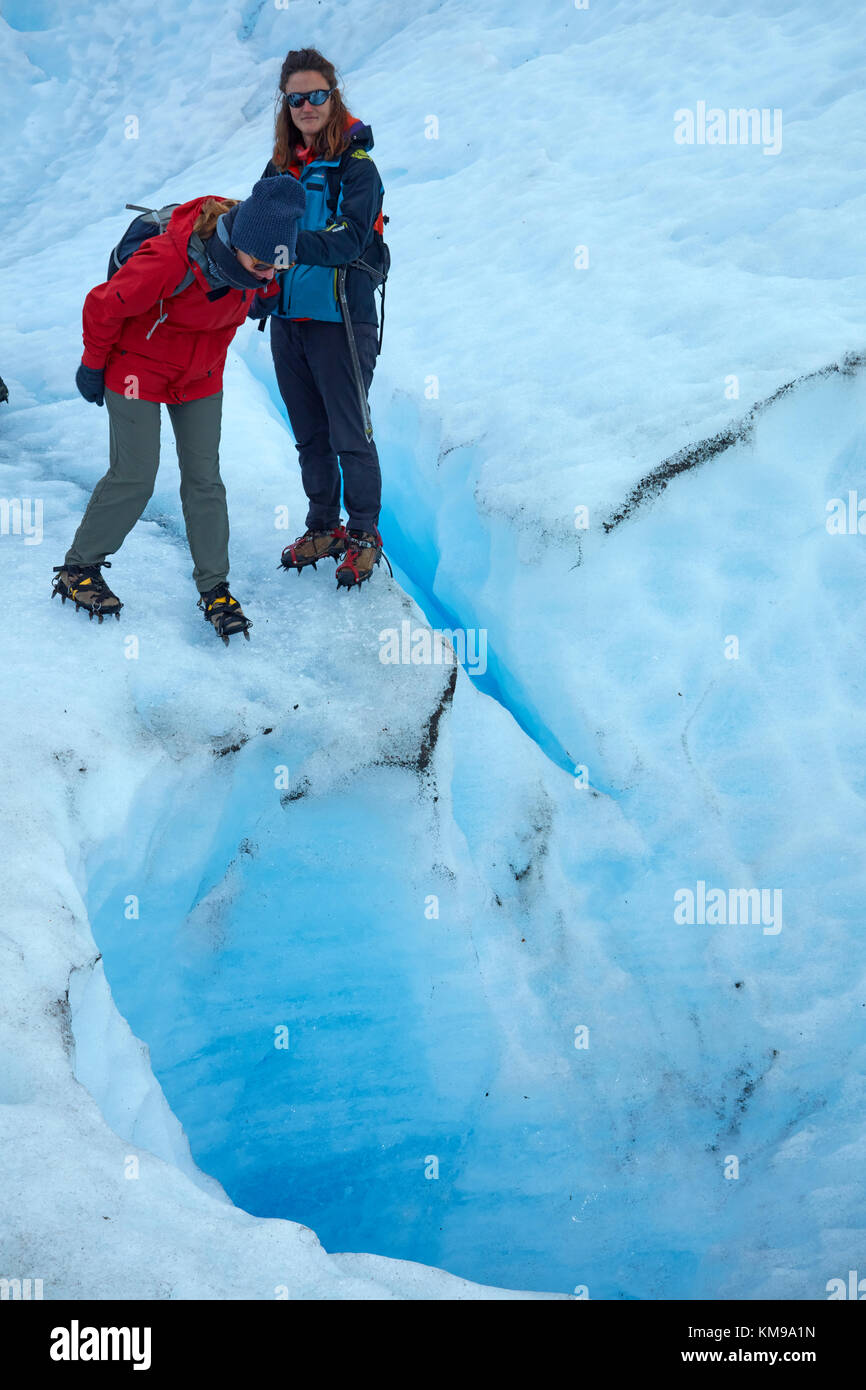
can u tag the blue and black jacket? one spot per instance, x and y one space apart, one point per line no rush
342 214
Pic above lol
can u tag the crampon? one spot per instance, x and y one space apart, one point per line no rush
224 613
312 547
88 590
363 553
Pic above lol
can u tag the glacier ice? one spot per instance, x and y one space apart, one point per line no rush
206 847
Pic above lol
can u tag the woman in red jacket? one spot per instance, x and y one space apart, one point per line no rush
156 334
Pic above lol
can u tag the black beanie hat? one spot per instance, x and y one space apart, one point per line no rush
265 224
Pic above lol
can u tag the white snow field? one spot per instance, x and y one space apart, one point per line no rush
294 940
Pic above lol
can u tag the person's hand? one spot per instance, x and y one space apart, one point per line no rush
261 307
91 383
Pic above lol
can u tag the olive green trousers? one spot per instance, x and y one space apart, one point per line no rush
121 496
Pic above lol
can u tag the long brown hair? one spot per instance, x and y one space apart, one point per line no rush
211 209
331 140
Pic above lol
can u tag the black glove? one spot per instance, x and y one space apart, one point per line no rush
91 383
261 307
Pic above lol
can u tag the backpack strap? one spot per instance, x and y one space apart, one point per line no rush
334 175
184 283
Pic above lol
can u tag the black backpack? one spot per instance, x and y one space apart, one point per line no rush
152 222
377 262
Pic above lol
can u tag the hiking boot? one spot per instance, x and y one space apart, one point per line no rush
224 612
314 546
88 590
363 553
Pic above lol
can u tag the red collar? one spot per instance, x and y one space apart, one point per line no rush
302 155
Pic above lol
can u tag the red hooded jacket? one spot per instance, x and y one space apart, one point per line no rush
184 357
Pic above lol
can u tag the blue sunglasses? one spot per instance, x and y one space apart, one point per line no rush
317 98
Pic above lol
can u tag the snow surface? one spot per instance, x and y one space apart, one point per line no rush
304 907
